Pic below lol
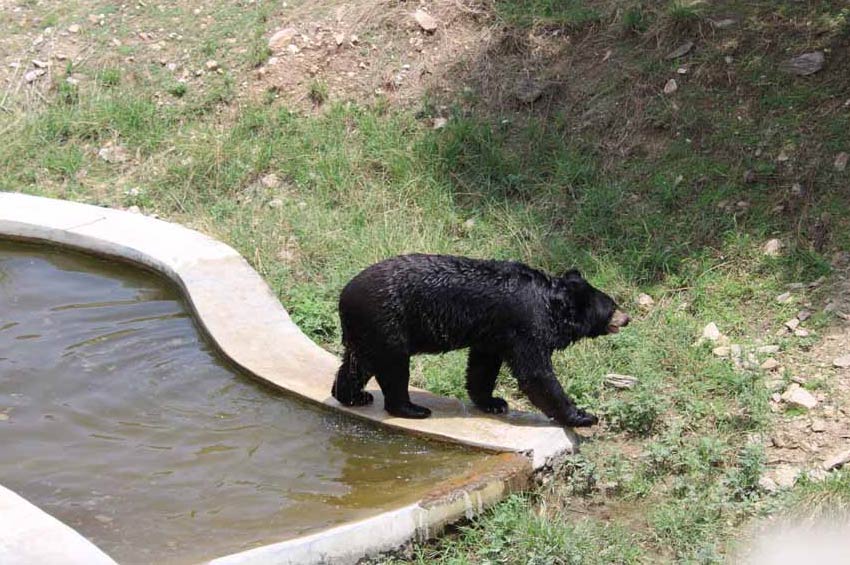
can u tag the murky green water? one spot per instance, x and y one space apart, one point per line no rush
117 418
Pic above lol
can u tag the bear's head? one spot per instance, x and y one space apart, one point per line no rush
588 312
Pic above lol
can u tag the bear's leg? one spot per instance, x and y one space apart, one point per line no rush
350 380
481 372
393 374
532 367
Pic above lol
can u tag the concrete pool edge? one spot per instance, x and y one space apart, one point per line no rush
393 529
244 319
21 522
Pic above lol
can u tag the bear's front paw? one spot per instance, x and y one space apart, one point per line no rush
494 405
581 419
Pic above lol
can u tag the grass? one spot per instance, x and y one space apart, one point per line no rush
673 472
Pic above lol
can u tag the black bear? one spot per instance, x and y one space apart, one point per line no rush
502 311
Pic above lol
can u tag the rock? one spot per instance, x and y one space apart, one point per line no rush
784 297
792 324
776 397
837 460
711 332
113 154
818 425
725 23
840 160
842 362
772 247
528 89
796 395
339 39
134 210
469 224
40 64
749 176
282 38
774 384
768 484
292 49
211 65
797 190
785 475
722 351
770 364
31 76
620 381
768 349
270 180
102 518
425 20
804 315
276 203
74 28
801 332
645 300
681 50
806 64
671 86
736 351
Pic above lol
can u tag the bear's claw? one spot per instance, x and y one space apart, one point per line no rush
494 405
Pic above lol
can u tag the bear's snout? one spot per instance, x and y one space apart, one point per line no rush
618 320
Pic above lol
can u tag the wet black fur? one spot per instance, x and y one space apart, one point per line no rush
502 311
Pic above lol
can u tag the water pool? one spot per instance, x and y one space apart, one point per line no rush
119 419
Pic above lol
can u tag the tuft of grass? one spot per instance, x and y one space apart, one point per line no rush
317 92
548 13
109 77
178 89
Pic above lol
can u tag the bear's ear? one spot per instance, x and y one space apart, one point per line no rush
572 275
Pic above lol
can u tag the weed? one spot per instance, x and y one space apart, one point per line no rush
109 77
317 92
178 89
639 414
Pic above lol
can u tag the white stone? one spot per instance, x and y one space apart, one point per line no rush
842 362
711 332
792 324
837 460
645 300
425 20
113 154
772 247
616 380
768 484
721 351
784 297
768 349
770 364
671 86
282 38
270 180
785 475
795 395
